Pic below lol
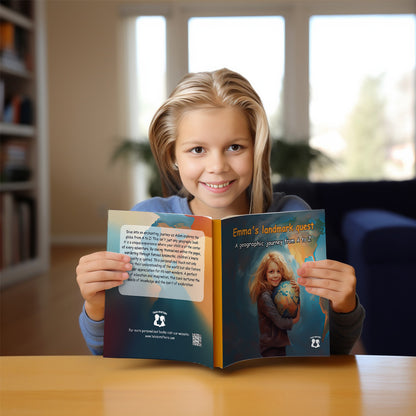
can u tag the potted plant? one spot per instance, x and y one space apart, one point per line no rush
135 150
294 160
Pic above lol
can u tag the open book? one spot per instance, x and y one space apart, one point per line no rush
188 295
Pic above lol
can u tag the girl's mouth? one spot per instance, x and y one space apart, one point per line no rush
218 186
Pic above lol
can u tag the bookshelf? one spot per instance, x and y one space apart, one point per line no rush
24 176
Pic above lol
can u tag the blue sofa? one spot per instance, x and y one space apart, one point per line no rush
372 226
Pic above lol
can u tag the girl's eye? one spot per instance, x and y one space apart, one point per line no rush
235 147
197 150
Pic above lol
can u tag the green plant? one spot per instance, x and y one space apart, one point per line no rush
294 160
140 150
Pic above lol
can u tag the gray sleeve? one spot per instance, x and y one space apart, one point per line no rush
93 332
282 202
345 329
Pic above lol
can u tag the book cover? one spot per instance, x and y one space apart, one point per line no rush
246 241
164 310
188 296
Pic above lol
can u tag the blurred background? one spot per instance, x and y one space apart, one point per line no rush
81 78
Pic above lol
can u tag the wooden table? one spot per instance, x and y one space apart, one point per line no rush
87 385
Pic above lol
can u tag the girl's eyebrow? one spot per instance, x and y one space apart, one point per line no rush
190 144
202 142
187 142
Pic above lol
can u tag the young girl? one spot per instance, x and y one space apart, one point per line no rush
272 270
212 146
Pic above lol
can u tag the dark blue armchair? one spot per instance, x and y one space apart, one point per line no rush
381 245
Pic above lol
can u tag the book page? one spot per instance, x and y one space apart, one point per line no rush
167 262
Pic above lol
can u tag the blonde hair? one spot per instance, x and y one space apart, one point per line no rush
221 88
259 283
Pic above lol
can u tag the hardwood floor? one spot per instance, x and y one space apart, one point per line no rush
40 316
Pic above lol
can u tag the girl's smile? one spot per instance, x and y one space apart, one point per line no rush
218 187
214 153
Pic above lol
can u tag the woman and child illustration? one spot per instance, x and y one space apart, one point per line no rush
211 142
272 270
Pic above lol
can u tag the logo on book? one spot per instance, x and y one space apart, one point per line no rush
159 318
315 342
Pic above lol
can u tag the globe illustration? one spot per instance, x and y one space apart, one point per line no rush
286 299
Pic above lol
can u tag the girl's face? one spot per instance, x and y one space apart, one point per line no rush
273 275
214 152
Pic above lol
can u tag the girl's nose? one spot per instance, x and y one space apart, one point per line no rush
217 163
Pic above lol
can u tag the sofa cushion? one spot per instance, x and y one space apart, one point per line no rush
381 235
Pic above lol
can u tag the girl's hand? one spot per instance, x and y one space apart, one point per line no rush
297 317
295 286
332 280
98 272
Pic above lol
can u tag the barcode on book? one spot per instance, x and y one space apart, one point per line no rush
197 340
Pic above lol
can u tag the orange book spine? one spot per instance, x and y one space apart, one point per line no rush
217 281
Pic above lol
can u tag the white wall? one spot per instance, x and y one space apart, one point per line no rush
84 107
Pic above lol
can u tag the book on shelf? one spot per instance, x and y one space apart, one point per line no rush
197 289
14 160
17 229
14 50
7 36
18 109
2 98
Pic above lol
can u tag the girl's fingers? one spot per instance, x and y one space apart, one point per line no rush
103 276
345 285
92 283
99 282
321 264
326 269
103 265
331 280
328 284
100 271
92 289
100 263
103 256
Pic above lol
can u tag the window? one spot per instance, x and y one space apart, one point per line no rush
318 69
144 44
243 44
151 69
362 106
